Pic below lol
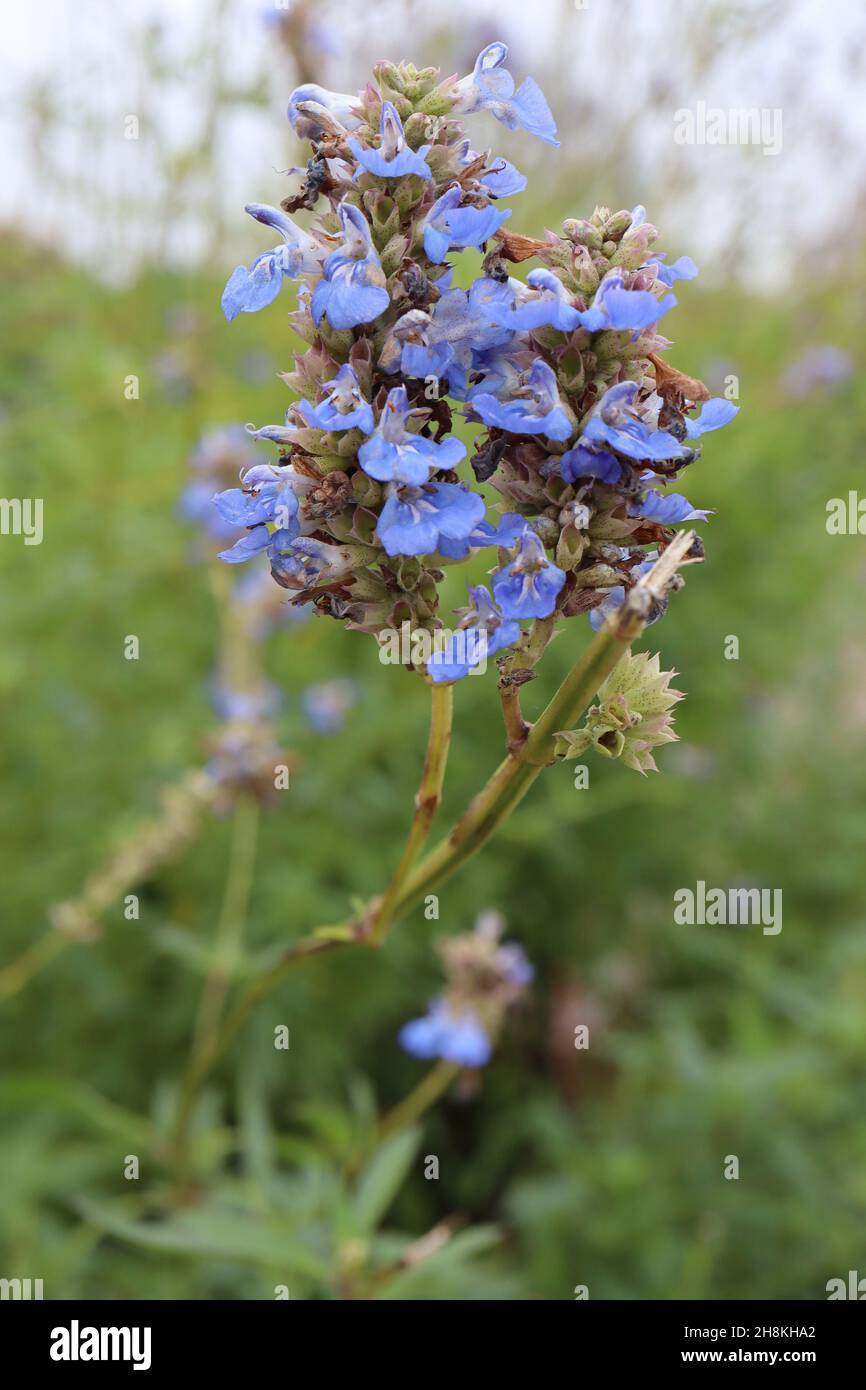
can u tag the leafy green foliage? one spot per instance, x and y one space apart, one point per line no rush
603 1166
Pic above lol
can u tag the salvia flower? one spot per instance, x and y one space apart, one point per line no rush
393 455
542 302
448 225
500 178
484 980
616 421
621 309
422 520
340 105
393 157
443 1032
327 703
712 416
343 408
353 289
528 586
249 290
267 494
483 631
491 88
534 407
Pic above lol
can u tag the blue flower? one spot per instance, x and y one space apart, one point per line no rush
448 343
683 268
491 88
501 179
327 704
712 416
393 158
249 290
483 632
534 407
448 224
529 585
583 462
617 308
441 1032
615 421
258 541
353 290
542 302
341 105
343 408
268 495
505 534
418 520
393 455
301 561
668 509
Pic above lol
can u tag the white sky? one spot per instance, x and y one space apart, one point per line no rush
614 71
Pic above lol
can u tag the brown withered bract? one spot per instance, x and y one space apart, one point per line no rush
517 247
676 386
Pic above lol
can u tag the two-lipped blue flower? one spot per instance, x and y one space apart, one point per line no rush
500 178
422 520
534 407
584 462
393 454
667 509
491 87
506 533
353 290
344 406
249 290
712 416
341 105
542 302
267 496
616 421
622 310
442 1032
393 158
447 343
448 225
483 632
683 268
528 587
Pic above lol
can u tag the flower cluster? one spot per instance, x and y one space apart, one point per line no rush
580 424
484 978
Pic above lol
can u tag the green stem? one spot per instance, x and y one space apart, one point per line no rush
229 933
239 881
425 1094
427 801
516 774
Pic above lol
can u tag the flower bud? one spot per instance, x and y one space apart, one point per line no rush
616 224
582 233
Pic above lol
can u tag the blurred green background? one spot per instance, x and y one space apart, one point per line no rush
601 1168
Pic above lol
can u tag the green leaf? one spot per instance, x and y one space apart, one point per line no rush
448 1260
213 1231
382 1178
